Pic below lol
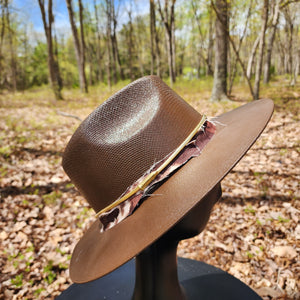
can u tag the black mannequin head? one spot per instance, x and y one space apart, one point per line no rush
196 219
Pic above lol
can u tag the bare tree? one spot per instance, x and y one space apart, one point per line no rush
79 44
297 65
251 57
91 50
290 16
2 6
99 53
108 40
219 91
234 68
181 53
261 49
168 19
271 38
13 63
210 45
281 52
114 41
54 75
152 33
235 50
130 44
289 29
154 40
206 56
114 65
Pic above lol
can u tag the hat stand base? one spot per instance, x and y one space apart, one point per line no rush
198 279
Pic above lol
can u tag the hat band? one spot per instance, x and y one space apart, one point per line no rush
189 148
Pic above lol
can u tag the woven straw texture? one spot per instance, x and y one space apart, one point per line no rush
124 136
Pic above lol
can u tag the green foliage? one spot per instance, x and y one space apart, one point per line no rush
249 254
258 222
69 185
5 151
249 209
3 171
38 291
283 152
19 258
49 273
63 266
24 51
69 73
282 220
18 280
12 256
13 124
30 249
50 199
38 67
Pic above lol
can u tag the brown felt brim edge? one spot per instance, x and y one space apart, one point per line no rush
97 254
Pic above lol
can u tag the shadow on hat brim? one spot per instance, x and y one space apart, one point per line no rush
97 254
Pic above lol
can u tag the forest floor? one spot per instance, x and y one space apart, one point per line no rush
253 232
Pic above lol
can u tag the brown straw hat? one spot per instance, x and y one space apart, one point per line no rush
122 139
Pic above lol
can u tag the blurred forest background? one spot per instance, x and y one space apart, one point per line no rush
60 59
107 41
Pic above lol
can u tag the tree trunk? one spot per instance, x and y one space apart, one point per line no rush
172 21
1 39
55 80
82 52
108 41
210 71
261 49
112 25
57 73
271 41
91 54
141 65
157 50
198 64
115 42
114 60
205 54
117 56
289 28
234 67
152 29
251 57
98 45
13 64
237 54
281 50
79 47
130 46
23 77
170 55
168 18
297 67
181 59
219 91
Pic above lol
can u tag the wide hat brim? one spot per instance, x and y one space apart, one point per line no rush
97 254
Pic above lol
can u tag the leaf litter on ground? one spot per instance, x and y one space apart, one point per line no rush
253 232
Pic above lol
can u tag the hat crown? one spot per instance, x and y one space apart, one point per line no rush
122 138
